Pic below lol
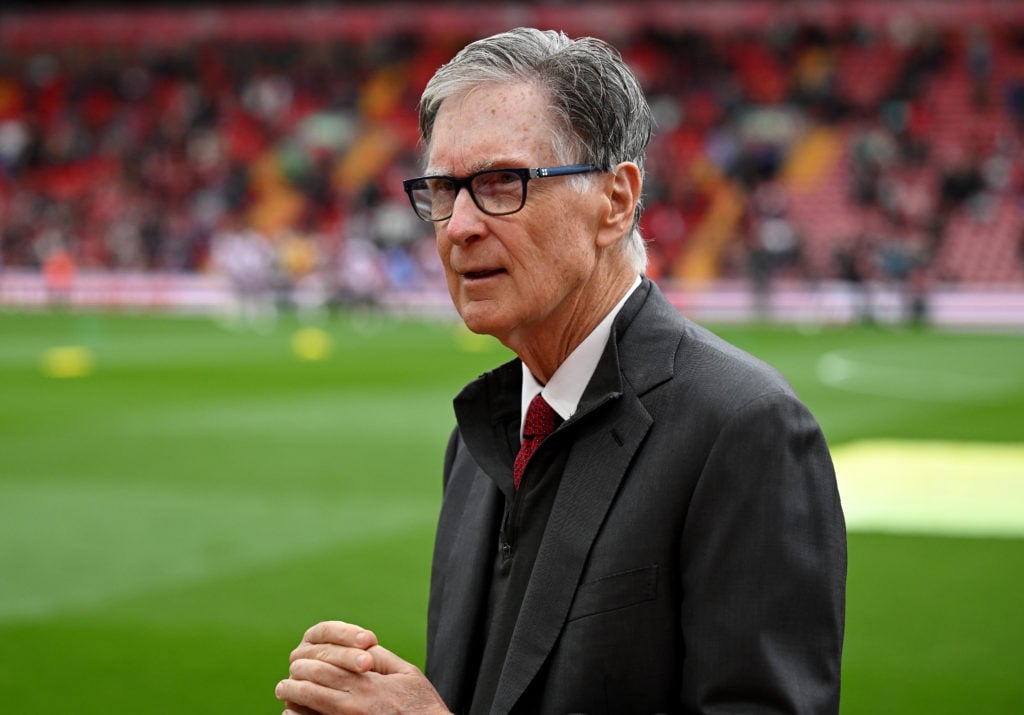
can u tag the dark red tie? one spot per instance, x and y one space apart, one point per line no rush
541 420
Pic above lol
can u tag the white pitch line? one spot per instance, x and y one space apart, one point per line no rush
839 370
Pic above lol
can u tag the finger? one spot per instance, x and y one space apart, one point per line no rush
309 698
290 708
293 709
340 633
387 663
355 660
330 676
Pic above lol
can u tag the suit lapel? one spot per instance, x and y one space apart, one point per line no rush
594 470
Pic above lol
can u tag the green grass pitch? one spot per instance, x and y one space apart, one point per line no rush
179 501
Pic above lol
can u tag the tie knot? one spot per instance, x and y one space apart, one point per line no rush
541 418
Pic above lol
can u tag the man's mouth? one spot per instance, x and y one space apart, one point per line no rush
477 275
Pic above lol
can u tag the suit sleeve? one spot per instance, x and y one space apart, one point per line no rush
763 563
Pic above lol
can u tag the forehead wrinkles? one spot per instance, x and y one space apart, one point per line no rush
492 125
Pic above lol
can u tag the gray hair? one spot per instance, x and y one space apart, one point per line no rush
601 113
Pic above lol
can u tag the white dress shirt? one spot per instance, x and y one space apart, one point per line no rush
566 386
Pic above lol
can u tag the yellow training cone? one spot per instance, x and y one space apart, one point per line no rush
68 361
311 344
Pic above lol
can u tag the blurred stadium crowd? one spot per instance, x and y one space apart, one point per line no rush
855 150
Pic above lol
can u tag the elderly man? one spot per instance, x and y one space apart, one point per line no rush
637 516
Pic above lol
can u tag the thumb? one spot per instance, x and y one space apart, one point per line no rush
387 663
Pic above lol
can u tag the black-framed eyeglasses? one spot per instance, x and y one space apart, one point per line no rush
497 192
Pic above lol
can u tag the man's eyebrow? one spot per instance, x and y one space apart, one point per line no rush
473 168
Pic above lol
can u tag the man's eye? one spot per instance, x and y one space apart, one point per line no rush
441 186
497 180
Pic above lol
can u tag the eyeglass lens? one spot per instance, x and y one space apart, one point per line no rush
495 192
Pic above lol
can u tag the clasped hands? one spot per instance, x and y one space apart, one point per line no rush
340 668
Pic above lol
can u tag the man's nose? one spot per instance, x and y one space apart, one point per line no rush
466 220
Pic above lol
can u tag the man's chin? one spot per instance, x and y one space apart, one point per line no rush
483 319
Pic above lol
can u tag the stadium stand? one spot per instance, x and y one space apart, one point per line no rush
795 141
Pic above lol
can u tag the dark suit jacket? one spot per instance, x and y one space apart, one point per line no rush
694 559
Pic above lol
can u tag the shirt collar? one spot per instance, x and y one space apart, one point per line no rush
566 386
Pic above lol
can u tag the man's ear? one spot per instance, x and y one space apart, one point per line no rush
623 195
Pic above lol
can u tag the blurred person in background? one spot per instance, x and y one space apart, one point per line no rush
246 259
676 542
59 271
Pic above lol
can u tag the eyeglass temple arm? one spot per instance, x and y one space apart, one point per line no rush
562 170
